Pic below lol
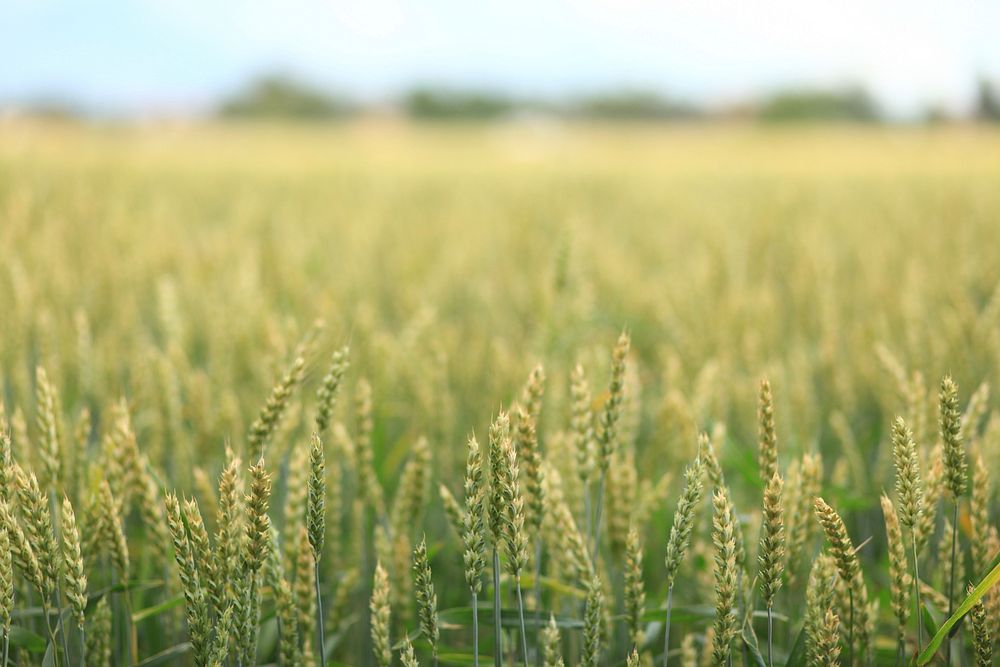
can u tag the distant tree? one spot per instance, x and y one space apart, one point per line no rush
851 104
633 105
445 103
279 96
52 108
936 115
987 102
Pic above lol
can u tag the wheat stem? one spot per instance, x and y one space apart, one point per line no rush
60 627
54 512
497 633
666 632
770 636
520 611
319 616
46 612
538 592
850 630
475 629
596 549
132 632
951 578
916 592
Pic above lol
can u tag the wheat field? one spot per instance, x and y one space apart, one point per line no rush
690 395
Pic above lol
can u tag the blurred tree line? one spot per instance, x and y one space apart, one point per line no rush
283 97
987 102
851 104
277 96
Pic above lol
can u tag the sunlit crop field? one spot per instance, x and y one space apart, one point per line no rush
250 359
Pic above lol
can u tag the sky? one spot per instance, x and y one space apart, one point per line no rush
180 56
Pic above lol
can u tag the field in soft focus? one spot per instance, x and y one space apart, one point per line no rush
454 259
179 266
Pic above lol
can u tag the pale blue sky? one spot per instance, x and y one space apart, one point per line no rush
180 55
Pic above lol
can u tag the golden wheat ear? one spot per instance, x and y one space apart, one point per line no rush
380 616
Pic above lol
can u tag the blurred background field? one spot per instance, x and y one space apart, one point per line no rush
184 261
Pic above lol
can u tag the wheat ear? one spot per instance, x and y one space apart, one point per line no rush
723 536
592 623
552 655
772 553
955 473
680 537
607 431
426 597
380 612
474 534
635 593
899 579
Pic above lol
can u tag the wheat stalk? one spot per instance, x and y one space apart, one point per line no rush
407 656
364 456
255 549
380 612
229 526
680 537
98 648
452 510
607 431
326 395
592 624
266 423
474 533
426 597
582 427
635 592
689 651
910 495
304 591
982 642
47 420
801 525
955 472
513 532
287 614
899 579
532 473
76 578
772 552
845 556
196 601
979 514
6 591
316 528
819 604
723 537
411 495
767 439
530 461
550 643
571 546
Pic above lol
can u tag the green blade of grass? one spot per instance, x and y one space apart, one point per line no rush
158 609
165 656
26 639
988 582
